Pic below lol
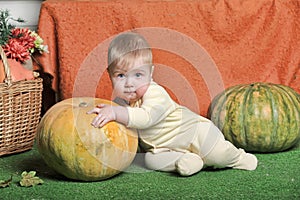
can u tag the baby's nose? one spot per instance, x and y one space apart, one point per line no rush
129 83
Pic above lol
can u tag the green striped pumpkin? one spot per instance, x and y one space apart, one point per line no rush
259 117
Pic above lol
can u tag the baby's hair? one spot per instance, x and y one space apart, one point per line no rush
126 48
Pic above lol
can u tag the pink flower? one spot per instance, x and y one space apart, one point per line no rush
24 37
16 50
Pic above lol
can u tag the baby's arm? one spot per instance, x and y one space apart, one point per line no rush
106 113
157 104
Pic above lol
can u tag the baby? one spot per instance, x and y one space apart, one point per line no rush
175 139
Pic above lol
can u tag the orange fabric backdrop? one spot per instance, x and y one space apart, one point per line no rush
200 47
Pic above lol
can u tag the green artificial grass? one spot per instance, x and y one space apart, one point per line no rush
277 177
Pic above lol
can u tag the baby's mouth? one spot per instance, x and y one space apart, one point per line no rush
129 92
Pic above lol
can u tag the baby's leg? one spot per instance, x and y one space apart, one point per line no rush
172 161
225 154
162 161
189 164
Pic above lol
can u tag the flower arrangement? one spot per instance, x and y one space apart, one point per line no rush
19 43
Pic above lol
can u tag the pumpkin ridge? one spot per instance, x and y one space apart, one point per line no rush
274 111
235 131
226 109
220 97
249 113
287 96
244 109
217 107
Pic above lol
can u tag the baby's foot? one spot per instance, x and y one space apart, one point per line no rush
189 164
247 162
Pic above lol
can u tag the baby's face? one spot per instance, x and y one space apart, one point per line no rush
131 82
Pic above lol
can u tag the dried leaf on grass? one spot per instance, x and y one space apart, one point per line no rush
5 183
29 179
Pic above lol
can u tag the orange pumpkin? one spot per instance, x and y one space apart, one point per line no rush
70 145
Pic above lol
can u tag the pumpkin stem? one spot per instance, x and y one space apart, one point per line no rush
83 104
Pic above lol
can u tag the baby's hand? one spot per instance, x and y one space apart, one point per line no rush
105 114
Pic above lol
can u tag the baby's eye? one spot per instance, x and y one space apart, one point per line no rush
138 75
121 75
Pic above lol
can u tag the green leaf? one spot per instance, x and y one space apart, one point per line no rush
6 26
5 183
29 179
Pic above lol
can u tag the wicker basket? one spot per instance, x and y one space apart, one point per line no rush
20 108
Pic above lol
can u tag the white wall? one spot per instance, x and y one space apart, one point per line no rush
27 10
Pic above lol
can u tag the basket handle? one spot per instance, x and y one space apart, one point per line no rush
8 79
